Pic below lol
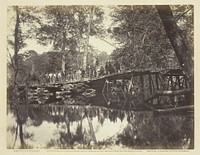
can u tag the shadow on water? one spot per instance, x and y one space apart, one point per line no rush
79 122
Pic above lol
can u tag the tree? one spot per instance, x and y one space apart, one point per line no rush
142 39
67 27
54 63
23 18
17 37
181 49
63 26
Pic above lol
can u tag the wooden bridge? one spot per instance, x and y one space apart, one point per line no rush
165 91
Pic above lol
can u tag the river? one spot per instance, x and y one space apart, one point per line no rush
61 125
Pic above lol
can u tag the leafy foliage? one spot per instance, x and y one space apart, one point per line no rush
143 40
146 131
66 26
183 14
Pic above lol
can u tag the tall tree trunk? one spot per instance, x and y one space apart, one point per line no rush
16 45
88 36
177 41
63 54
23 144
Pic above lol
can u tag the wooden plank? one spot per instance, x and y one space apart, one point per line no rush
142 87
189 108
167 93
157 87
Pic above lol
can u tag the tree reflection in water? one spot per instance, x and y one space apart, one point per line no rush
65 116
85 127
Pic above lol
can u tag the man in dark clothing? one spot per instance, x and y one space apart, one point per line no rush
87 71
82 73
101 71
117 67
97 62
111 68
107 68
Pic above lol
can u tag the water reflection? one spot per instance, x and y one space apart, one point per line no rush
62 124
72 125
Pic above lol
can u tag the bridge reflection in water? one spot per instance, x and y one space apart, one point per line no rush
124 111
93 127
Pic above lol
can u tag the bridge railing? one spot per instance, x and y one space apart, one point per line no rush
157 89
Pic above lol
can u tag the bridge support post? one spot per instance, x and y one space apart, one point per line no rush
158 88
150 87
142 87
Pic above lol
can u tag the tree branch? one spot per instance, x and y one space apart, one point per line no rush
11 59
179 17
177 41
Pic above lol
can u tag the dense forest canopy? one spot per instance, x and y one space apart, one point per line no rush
143 39
138 33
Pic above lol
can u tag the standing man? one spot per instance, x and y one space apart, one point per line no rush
82 73
96 67
117 67
107 68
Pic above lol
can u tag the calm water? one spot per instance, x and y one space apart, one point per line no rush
63 125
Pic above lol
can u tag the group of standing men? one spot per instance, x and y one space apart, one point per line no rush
109 68
112 68
90 72
100 70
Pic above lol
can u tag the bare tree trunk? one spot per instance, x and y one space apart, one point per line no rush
88 36
16 45
177 41
23 144
63 55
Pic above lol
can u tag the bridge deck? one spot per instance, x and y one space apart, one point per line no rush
128 74
135 90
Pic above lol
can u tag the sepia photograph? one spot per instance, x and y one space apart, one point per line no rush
100 77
